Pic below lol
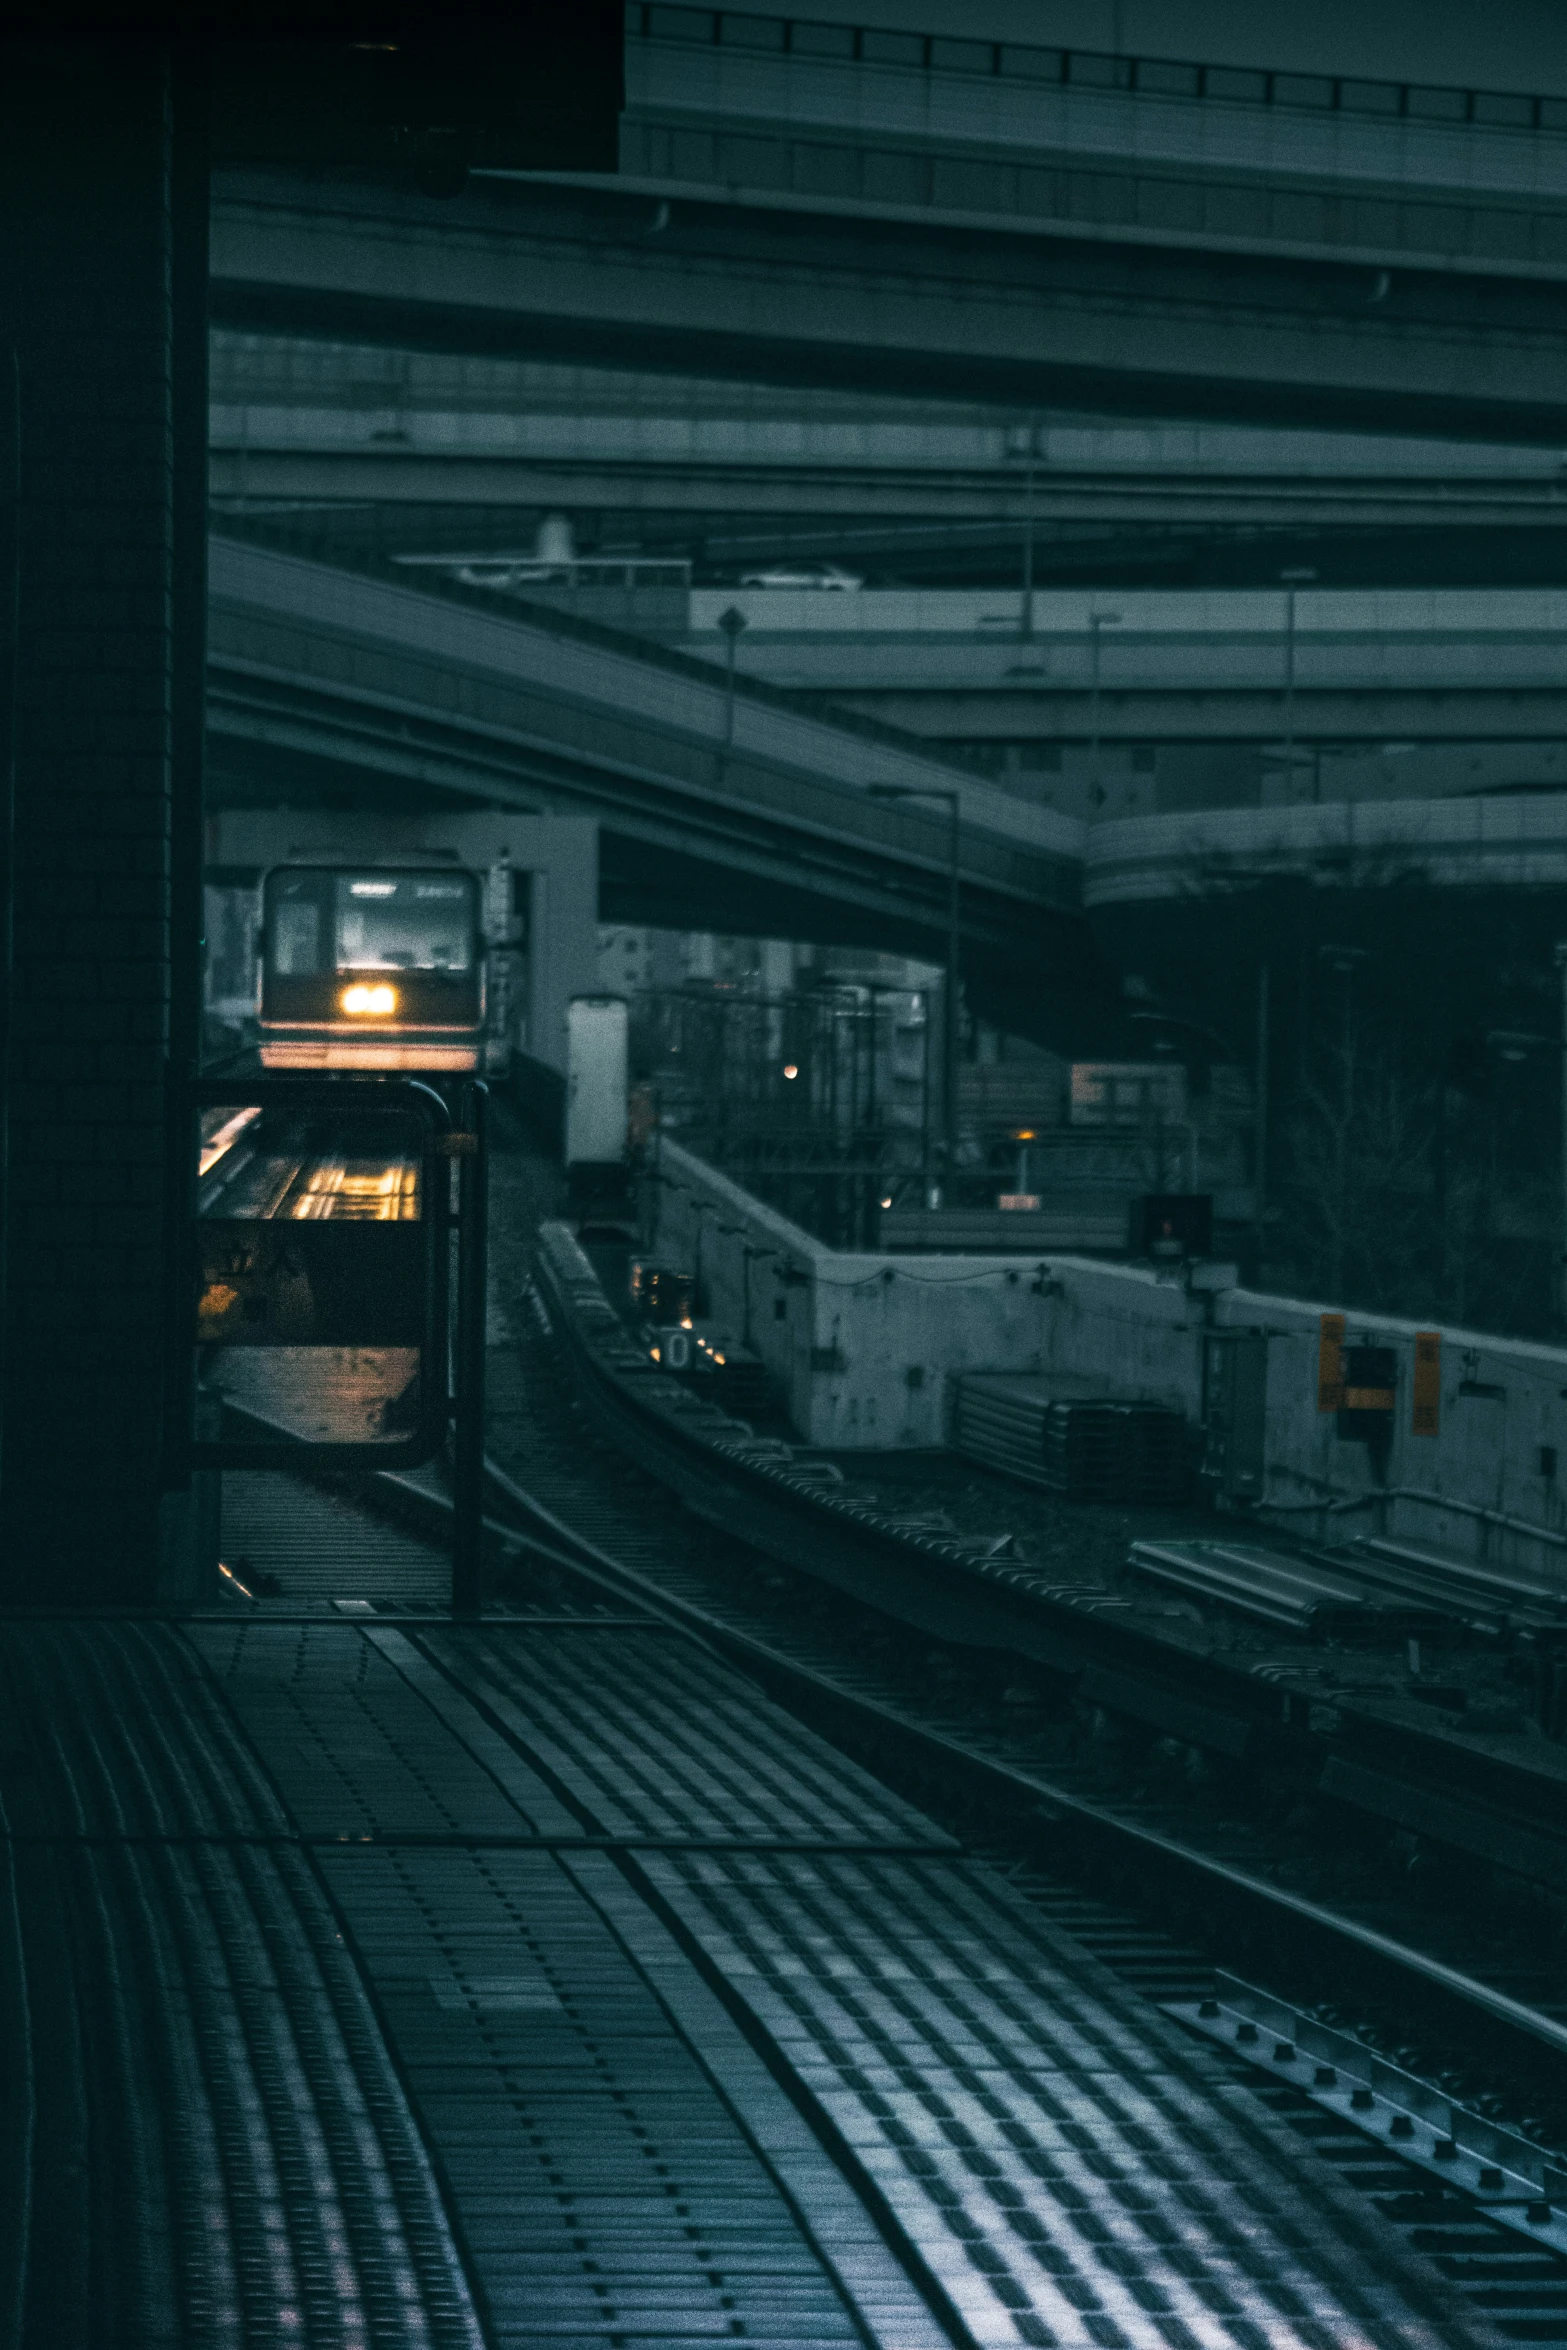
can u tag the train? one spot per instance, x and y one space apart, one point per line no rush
372 967
443 947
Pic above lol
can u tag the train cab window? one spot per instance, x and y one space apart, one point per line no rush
320 922
296 938
404 922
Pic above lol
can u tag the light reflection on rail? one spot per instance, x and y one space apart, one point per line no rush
217 1143
366 1190
241 1178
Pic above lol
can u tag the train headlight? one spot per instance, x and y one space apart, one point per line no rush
368 1003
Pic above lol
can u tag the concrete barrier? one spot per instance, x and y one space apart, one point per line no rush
865 1349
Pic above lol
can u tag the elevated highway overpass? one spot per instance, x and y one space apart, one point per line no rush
1308 146
1117 322
358 689
897 284
1339 666
841 204
724 811
478 439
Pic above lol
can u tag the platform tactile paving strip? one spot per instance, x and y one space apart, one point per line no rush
608 2192
572 2025
116 1730
607 2186
355 1747
216 2151
657 1738
1073 2170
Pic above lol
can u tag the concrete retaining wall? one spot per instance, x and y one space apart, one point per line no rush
865 1349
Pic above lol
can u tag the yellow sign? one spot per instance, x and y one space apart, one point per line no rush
1330 1364
1427 1413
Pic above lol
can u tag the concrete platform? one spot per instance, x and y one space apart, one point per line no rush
541 1983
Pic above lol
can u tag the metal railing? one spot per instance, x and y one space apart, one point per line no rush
1089 69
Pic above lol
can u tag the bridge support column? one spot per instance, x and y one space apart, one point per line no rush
103 205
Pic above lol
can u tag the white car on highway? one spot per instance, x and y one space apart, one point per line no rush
802 575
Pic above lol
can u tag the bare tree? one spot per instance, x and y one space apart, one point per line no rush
1357 1174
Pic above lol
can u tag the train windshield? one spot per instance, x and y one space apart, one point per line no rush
403 922
321 922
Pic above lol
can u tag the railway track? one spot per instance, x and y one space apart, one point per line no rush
978 1704
799 1902
298 1171
977 2046
921 1708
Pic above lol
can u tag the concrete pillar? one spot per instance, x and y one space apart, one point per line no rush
102 275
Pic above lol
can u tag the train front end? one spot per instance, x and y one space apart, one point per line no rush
371 968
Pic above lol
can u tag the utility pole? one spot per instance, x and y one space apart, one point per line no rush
1259 1172
954 949
1300 576
1346 962
949 1055
1026 628
1096 621
733 622
1561 1267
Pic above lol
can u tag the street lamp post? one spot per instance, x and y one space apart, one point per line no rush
1298 577
1096 621
1212 1036
732 621
1561 966
1259 1172
949 1048
1345 962
1027 629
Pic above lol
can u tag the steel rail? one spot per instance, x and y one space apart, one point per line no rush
1063 1828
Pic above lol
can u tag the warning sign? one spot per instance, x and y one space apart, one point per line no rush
1330 1364
1426 1414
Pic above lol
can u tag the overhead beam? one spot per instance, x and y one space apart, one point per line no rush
260 476
363 677
1214 714
1032 319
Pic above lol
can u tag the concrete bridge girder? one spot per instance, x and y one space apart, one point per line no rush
1503 844
247 472
730 290
1017 146
1057 716
328 672
324 682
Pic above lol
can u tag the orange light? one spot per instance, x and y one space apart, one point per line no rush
1024 1134
791 1069
368 1003
365 1053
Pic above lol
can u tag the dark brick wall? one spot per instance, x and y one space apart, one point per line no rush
87 267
